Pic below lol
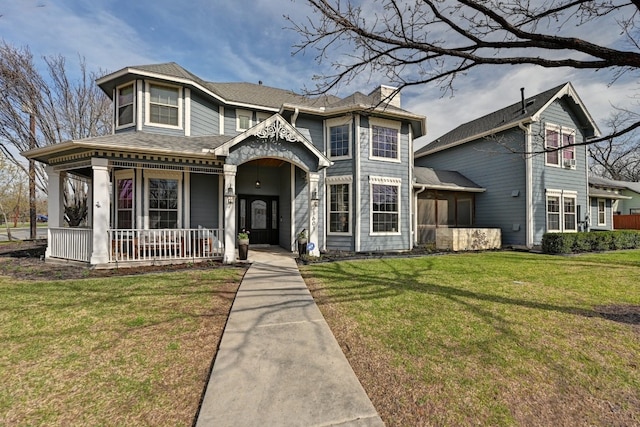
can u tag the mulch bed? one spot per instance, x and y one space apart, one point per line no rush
25 260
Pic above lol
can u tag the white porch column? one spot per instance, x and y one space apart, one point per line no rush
314 177
229 214
55 204
100 207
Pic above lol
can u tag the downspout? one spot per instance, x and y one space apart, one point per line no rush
529 183
415 216
295 116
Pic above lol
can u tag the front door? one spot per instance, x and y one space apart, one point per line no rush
259 215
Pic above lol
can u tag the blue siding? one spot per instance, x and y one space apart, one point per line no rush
315 128
285 206
301 201
204 200
547 177
205 118
492 164
388 169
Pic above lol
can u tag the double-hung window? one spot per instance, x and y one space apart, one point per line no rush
562 210
338 133
163 201
385 205
553 213
164 107
559 145
385 139
125 106
339 204
570 219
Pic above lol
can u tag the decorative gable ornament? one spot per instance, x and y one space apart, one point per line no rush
276 131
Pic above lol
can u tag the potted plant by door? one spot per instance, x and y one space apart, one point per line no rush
243 244
302 242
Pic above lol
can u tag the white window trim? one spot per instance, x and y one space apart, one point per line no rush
161 175
119 175
339 180
240 112
604 202
570 195
561 194
147 115
381 180
339 121
133 104
391 124
562 130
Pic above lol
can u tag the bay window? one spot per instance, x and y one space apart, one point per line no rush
385 205
339 204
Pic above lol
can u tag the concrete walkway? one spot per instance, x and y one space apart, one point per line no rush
278 363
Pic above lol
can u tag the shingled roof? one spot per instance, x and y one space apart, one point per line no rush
444 180
257 95
502 119
149 143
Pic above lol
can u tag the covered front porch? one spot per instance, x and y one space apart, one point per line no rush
183 199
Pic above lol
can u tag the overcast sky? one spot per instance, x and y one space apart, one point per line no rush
247 40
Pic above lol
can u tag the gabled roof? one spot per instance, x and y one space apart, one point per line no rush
259 96
444 180
509 117
274 127
133 142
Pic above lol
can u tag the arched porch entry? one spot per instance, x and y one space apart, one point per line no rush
262 187
273 171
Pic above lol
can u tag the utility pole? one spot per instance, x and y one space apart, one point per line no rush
32 178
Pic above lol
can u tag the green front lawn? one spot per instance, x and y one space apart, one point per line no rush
130 350
497 338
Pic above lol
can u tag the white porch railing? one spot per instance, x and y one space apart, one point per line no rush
70 243
165 244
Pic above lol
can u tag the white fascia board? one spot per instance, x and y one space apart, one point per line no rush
569 90
179 80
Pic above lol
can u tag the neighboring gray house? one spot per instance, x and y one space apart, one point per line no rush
191 162
610 197
526 194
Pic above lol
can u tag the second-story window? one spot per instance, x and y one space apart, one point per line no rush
385 139
125 106
243 120
164 106
556 138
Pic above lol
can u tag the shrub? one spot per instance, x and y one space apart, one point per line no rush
565 243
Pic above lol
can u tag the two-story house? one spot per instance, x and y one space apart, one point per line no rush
529 160
192 162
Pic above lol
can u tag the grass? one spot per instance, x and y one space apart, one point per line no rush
131 350
496 338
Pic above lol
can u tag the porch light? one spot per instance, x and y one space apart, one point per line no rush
258 185
230 195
